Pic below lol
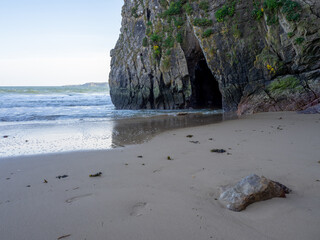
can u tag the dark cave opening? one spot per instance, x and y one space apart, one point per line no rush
205 88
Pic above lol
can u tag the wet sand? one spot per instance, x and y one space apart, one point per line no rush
143 195
30 139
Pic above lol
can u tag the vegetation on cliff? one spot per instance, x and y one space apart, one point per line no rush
248 46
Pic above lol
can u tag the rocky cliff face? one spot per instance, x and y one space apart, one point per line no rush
244 55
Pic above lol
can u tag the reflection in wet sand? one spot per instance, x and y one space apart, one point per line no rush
139 130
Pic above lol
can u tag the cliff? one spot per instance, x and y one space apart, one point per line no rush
244 55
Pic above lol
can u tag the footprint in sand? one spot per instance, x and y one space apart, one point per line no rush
138 209
70 200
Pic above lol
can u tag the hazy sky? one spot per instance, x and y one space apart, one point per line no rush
57 42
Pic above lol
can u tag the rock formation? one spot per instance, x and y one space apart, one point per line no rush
246 56
249 190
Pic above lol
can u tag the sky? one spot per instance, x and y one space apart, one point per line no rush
57 42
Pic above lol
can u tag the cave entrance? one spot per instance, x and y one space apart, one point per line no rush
205 88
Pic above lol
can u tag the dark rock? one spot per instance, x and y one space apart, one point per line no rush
62 176
5 136
218 150
232 67
96 175
249 190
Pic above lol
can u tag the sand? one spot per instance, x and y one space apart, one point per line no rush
156 198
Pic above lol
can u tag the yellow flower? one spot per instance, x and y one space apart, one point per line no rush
269 67
262 9
156 47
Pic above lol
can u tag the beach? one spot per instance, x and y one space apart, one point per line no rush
143 195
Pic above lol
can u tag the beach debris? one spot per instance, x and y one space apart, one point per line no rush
169 158
45 181
96 175
28 186
64 236
140 156
251 189
5 136
143 164
218 150
210 139
62 176
189 136
182 114
195 142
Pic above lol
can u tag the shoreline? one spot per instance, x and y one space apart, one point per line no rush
46 138
156 198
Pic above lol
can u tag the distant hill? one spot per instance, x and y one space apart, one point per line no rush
91 84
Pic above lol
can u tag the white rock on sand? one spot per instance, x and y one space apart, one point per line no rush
153 198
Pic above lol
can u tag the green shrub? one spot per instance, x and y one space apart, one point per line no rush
290 34
155 38
299 40
292 10
257 12
169 42
134 11
273 5
188 8
204 5
163 3
179 37
174 9
286 83
202 22
272 19
178 22
145 42
224 11
207 33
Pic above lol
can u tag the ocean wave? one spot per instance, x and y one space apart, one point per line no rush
54 90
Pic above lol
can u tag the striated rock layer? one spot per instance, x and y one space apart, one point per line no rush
246 56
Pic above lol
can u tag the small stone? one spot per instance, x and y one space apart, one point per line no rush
45 181
189 136
249 190
140 157
62 176
218 150
169 158
5 136
195 142
96 174
28 186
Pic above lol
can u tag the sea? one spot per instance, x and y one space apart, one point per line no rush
38 120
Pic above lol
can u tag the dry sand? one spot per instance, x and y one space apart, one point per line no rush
156 198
